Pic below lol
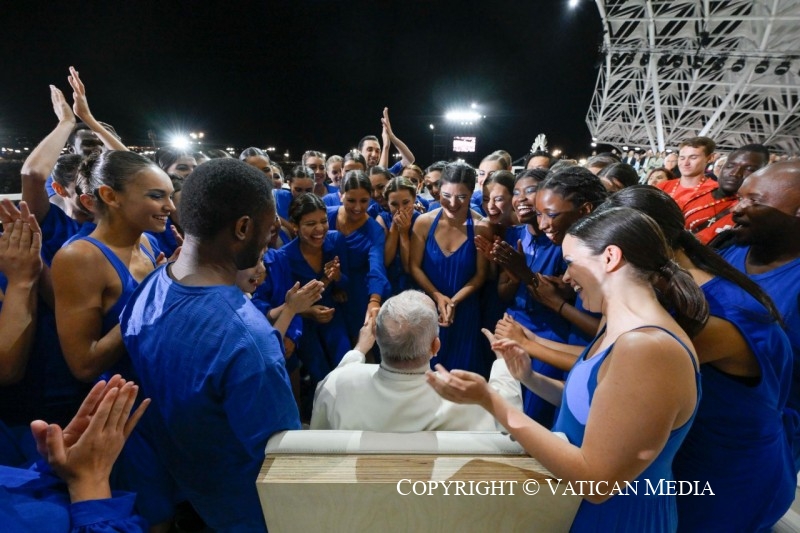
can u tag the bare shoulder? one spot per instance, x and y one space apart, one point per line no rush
654 348
82 263
482 226
424 221
77 253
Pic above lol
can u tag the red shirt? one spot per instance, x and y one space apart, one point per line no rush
684 195
706 215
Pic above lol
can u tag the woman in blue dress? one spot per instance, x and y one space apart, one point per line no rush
318 254
397 224
367 285
352 160
94 276
629 401
446 265
315 162
525 252
300 180
738 444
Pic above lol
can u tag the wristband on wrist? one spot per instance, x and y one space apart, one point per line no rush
561 307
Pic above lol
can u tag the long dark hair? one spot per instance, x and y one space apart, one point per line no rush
645 248
662 208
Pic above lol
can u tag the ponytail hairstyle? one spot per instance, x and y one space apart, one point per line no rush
645 248
167 156
299 172
501 157
252 152
66 169
459 173
400 183
662 208
308 154
355 155
355 179
501 177
113 168
303 204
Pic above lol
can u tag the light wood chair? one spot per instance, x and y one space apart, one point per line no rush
365 481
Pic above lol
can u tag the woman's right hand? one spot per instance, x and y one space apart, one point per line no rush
333 269
446 309
512 260
320 313
402 221
508 328
300 299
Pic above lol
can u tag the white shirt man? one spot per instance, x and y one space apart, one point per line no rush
394 396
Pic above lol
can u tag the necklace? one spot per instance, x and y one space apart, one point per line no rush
393 371
678 184
697 209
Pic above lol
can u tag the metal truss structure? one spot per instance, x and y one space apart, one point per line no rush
673 69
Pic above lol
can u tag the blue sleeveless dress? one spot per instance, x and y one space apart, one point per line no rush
738 443
111 318
546 258
460 348
399 279
365 271
634 513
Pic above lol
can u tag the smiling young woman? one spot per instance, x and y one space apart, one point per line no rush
615 257
131 196
446 265
367 284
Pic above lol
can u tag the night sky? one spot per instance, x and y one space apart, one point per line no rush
307 74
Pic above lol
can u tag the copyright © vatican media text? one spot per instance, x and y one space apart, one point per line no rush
530 487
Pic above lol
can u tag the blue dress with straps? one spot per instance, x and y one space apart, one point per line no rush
449 273
647 509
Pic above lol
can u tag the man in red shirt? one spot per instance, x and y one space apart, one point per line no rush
711 213
693 158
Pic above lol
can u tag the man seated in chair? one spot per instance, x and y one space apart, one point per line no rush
394 396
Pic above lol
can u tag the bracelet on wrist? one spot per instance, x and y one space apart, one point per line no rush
561 307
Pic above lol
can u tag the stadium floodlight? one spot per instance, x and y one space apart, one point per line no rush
180 142
462 116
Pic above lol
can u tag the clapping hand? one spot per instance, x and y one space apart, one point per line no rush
300 299
20 244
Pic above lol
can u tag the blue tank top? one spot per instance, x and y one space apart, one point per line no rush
643 511
129 284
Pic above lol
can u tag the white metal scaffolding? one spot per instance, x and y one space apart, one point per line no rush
673 69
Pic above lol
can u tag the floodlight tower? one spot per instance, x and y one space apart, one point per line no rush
679 68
